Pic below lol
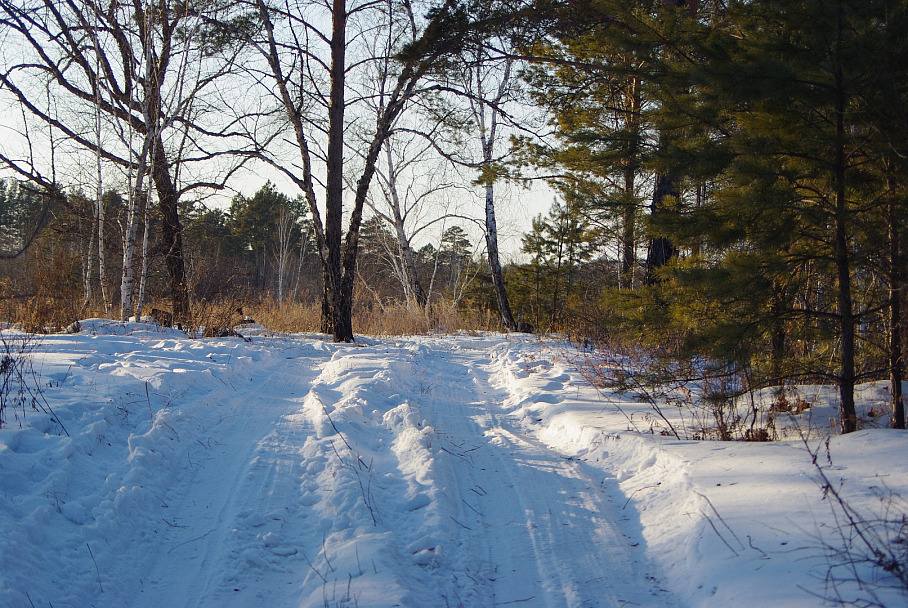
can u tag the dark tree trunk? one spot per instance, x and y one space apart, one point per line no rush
339 259
629 217
846 328
661 249
629 231
843 269
334 191
895 316
403 90
405 83
327 322
172 235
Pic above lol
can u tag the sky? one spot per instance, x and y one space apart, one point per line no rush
515 207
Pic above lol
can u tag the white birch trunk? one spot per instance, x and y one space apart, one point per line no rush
285 231
87 265
128 277
487 132
143 276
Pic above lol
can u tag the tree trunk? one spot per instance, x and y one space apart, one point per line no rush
661 249
102 253
843 269
143 275
632 165
334 186
501 295
847 319
403 90
88 264
327 326
847 331
488 135
128 276
304 182
339 260
171 235
556 292
628 232
895 316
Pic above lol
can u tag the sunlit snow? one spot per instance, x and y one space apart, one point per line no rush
465 470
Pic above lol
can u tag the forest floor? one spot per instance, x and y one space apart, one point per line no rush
446 470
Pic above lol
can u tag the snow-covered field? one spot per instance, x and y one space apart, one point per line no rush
466 470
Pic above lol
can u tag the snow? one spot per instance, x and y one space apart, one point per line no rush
447 470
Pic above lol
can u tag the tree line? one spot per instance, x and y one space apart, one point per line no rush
758 148
175 99
730 175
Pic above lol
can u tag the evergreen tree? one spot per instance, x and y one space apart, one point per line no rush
558 244
611 75
264 229
791 203
885 103
23 213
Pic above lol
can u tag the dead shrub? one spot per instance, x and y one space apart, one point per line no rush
214 318
867 549
289 317
48 301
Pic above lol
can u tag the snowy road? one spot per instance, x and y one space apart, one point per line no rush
388 477
294 472
538 528
431 471
244 471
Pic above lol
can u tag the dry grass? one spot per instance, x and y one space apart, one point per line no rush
47 313
49 310
290 317
369 318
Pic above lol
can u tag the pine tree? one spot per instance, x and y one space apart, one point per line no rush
559 243
791 203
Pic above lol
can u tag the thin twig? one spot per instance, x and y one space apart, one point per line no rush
727 527
314 569
719 534
97 571
631 495
191 540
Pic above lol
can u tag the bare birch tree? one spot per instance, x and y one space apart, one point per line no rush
145 67
478 92
408 180
487 98
286 222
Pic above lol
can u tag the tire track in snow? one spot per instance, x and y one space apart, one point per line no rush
228 525
533 528
372 541
391 478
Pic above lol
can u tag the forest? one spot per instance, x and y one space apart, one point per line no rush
729 176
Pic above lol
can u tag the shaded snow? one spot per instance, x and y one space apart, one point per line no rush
468 470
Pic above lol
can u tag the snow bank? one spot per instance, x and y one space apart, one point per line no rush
730 523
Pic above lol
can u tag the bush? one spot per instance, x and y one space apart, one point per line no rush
20 386
878 541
